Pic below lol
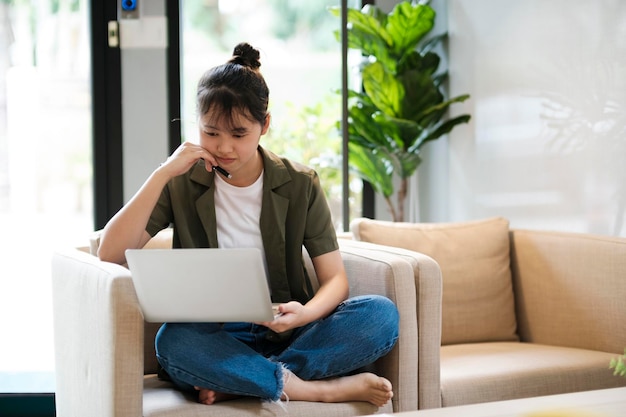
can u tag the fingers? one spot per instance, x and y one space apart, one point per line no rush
195 152
186 156
293 308
290 315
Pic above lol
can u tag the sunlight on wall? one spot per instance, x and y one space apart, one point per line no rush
548 103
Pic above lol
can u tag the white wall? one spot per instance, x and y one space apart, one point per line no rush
547 140
145 124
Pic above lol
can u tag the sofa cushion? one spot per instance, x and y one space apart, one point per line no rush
483 372
161 399
478 304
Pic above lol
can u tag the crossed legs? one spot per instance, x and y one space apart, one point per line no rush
232 361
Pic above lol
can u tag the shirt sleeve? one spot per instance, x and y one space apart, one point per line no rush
161 216
319 234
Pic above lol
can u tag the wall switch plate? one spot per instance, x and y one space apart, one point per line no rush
147 32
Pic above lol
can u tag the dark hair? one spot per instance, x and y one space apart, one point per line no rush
236 86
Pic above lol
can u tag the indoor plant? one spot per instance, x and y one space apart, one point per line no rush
401 106
619 365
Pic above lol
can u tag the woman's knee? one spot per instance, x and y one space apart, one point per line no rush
377 311
171 337
166 339
378 304
386 311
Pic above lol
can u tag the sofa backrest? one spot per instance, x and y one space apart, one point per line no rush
478 302
570 289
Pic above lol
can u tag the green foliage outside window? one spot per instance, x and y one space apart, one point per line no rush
308 135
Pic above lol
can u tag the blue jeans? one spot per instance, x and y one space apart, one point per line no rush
238 358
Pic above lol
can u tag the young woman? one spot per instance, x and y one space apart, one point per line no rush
227 191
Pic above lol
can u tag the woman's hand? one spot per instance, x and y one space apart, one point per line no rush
290 315
333 290
127 228
186 156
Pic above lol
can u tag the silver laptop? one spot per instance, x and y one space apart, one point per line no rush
200 285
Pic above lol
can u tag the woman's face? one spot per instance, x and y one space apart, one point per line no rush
234 145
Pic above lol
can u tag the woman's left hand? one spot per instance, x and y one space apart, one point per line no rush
290 315
333 289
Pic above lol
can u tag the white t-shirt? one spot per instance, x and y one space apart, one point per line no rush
237 212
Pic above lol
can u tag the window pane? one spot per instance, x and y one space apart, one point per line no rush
301 62
45 174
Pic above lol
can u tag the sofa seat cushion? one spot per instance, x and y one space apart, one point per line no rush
161 399
483 372
474 256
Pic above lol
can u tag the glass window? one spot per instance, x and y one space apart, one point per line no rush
45 174
301 62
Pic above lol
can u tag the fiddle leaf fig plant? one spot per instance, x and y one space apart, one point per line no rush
401 106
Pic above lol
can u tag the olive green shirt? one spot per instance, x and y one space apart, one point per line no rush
294 212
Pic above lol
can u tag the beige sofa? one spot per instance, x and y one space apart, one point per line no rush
525 313
105 363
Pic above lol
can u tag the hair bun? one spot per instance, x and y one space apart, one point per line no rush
246 55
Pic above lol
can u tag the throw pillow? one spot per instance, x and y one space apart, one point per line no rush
478 303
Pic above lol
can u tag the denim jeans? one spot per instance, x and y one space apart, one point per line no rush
238 358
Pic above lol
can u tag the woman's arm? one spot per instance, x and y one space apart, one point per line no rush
333 289
127 229
333 281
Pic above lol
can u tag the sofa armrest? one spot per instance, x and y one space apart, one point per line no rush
99 328
413 282
98 332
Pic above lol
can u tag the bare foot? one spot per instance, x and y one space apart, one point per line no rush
360 387
208 396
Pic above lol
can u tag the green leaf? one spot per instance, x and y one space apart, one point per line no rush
413 61
383 88
393 134
443 129
435 113
440 78
404 130
366 31
363 128
409 162
373 168
407 24
421 96
432 43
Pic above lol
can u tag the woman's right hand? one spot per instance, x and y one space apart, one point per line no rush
186 156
